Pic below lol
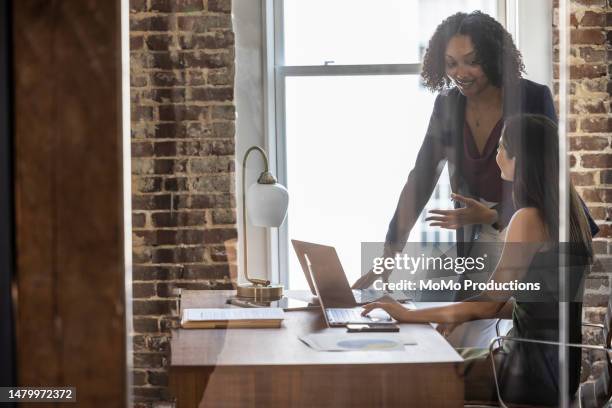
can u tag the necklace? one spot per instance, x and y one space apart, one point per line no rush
476 117
479 114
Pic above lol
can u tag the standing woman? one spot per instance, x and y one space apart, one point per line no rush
473 63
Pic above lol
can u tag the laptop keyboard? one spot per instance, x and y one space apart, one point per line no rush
346 316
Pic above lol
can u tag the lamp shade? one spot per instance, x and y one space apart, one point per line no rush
267 204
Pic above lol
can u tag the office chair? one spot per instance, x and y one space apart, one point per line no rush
591 394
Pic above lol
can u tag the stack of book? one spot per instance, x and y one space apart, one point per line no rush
229 318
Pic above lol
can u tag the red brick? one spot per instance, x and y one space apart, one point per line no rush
178 219
161 149
212 94
587 71
143 290
223 253
167 78
159 42
587 36
606 176
141 255
596 125
163 60
593 19
597 195
159 378
591 55
177 255
220 5
142 149
203 24
176 184
224 216
170 131
172 6
225 130
220 77
591 3
138 81
226 112
155 23
204 60
594 85
146 325
588 143
154 272
598 213
203 201
141 113
597 161
178 113
573 21
212 183
165 166
136 42
219 235
147 184
605 231
210 41
583 178
579 106
206 271
138 5
166 95
153 307
138 220
151 202
211 164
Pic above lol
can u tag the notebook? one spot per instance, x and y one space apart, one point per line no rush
232 318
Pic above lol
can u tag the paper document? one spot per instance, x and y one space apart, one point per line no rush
357 341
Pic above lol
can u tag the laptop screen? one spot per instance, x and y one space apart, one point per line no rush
333 287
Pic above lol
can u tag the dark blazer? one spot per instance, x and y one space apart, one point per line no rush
443 144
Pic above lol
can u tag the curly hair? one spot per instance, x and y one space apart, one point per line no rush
501 61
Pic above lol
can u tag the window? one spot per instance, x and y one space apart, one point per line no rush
351 114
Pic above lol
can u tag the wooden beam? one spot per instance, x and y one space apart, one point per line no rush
68 184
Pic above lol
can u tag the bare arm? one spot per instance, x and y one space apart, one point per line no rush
506 311
526 234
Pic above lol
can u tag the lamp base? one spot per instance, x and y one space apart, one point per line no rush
270 292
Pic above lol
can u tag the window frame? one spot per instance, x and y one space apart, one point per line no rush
275 75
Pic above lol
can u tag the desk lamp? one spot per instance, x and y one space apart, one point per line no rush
267 203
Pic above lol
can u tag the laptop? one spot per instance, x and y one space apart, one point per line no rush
337 275
336 298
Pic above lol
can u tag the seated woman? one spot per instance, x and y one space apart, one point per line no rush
528 373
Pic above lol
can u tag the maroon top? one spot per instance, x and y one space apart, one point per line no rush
480 171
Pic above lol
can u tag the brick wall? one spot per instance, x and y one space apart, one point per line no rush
590 142
184 232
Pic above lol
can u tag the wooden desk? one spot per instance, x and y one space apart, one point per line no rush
273 368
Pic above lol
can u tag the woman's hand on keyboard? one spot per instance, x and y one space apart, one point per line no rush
390 305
